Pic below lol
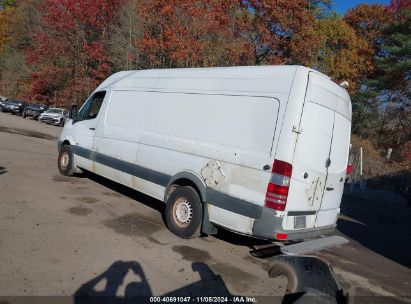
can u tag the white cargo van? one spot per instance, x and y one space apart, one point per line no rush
260 151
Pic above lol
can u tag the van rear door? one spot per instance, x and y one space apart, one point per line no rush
336 171
320 156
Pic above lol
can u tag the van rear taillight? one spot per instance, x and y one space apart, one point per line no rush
281 236
349 169
277 190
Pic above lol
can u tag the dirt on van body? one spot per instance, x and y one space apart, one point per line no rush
78 235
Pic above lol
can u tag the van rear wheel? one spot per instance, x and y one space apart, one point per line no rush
183 212
65 160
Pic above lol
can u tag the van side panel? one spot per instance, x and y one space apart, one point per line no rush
184 132
125 115
198 129
212 128
115 137
241 122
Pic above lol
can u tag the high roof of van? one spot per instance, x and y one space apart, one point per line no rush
262 80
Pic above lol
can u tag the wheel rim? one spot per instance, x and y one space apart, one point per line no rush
182 212
64 160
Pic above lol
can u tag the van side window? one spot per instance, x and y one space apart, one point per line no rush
92 106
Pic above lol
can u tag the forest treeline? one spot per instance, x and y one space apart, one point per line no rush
58 51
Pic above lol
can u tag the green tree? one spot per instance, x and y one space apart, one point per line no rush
7 3
394 60
394 80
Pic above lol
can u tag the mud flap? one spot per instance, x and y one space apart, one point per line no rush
206 226
310 280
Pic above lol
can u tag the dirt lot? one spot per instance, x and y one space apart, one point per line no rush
73 236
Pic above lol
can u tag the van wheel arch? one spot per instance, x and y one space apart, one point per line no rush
190 179
66 142
186 179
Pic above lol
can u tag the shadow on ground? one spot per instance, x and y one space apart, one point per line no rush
126 191
138 290
239 239
159 206
380 221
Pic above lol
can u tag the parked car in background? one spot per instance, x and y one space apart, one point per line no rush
34 110
2 101
14 106
54 116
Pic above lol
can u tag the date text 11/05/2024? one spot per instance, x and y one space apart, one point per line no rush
236 299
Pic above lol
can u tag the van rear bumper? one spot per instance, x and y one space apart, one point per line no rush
268 225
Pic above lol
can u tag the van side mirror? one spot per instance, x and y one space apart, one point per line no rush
73 113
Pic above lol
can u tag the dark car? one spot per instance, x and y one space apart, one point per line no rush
14 106
34 110
2 101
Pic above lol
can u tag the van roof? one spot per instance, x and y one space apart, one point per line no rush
267 79
280 74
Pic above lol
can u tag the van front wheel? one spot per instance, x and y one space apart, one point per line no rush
65 160
183 212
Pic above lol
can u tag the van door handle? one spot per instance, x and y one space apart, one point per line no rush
329 189
92 128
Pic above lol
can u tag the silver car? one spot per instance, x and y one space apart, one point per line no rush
54 116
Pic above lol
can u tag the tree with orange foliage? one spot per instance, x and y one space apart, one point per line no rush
17 20
342 55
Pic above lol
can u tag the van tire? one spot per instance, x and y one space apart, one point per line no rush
186 223
65 160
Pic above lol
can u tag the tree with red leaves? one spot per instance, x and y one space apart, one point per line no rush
400 5
281 31
188 33
68 53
